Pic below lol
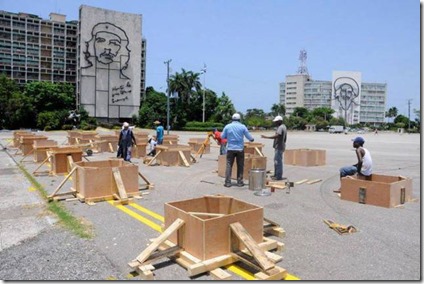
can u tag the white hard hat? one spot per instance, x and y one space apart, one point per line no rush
236 116
278 118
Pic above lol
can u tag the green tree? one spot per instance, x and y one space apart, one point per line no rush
21 112
224 110
7 88
278 109
323 112
185 84
300 112
391 112
152 108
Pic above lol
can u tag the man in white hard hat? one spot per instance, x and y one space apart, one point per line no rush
235 132
280 138
126 141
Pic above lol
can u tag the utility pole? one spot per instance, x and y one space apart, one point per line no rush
168 94
409 114
204 89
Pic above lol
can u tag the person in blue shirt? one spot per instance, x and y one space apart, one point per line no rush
235 132
159 132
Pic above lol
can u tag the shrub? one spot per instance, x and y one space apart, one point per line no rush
202 126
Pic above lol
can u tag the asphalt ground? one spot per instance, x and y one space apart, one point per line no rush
387 245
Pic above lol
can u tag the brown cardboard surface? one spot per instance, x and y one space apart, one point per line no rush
59 160
305 157
380 190
249 148
41 147
209 237
170 156
250 162
27 141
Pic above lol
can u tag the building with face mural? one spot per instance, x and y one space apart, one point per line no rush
36 49
346 94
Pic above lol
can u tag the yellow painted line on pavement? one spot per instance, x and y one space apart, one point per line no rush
148 212
233 268
31 189
137 216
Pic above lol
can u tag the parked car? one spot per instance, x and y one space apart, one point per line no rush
336 129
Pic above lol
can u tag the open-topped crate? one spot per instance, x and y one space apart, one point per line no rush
41 147
207 231
253 148
379 190
173 155
27 141
250 162
196 143
305 157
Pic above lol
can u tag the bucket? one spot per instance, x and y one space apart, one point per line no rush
257 179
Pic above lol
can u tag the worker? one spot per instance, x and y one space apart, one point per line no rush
159 132
364 165
235 132
152 146
221 142
125 143
279 145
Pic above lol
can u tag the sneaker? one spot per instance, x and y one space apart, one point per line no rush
336 191
227 184
274 178
240 184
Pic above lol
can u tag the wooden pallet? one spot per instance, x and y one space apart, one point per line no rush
257 256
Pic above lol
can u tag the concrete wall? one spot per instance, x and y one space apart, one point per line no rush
109 62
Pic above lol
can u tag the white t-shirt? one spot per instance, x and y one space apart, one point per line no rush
366 168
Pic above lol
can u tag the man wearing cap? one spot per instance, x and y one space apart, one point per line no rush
279 145
234 132
126 140
364 165
159 132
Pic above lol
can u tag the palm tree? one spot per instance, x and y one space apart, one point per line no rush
185 84
278 109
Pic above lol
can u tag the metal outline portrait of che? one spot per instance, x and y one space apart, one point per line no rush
346 91
107 53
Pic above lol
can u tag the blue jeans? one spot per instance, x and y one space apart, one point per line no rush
239 156
348 171
278 164
223 149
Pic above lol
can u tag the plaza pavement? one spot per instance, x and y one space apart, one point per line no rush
387 245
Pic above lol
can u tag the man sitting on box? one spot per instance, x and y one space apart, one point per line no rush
364 165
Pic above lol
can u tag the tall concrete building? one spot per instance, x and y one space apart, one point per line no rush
355 101
36 49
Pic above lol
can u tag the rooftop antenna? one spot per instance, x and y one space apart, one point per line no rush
303 70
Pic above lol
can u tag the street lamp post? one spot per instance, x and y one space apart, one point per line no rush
167 97
204 89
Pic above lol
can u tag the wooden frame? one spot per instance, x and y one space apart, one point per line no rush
378 190
253 148
305 157
250 162
173 155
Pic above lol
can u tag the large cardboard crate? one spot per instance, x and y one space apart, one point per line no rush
196 143
85 136
207 237
378 190
103 140
94 179
305 157
27 141
59 158
250 162
72 135
41 147
170 155
141 136
17 136
170 139
250 148
139 151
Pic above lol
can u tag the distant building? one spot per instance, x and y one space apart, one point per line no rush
351 99
35 49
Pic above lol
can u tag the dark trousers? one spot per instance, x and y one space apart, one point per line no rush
239 156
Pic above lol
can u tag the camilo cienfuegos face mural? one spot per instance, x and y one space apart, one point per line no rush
109 71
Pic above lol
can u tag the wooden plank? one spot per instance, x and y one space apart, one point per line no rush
178 223
184 159
301 181
277 273
314 181
206 214
259 152
70 161
62 183
210 264
251 245
154 158
110 147
120 184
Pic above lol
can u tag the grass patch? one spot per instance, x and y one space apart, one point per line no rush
65 217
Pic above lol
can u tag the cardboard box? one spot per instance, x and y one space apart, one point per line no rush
139 151
170 155
170 139
103 141
253 148
379 190
305 157
17 136
250 162
196 144
205 236
41 147
94 179
59 158
141 137
27 141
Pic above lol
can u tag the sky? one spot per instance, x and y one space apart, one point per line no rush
249 46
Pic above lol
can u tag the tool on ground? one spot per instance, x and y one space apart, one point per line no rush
340 229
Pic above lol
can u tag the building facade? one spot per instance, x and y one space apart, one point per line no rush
36 49
346 94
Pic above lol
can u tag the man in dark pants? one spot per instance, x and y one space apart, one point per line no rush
234 132
279 145
126 141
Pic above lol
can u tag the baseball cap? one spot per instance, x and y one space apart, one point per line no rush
278 118
236 116
358 139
